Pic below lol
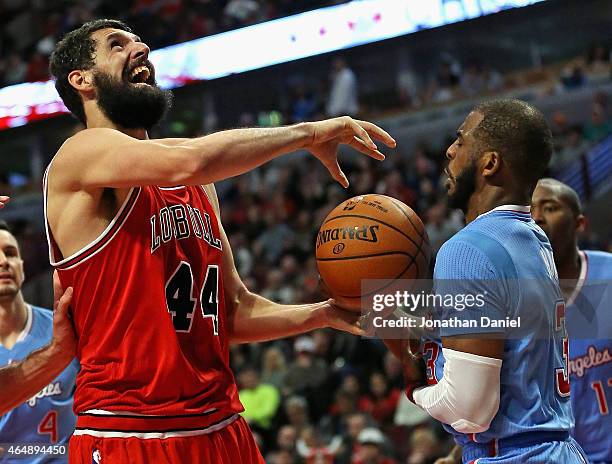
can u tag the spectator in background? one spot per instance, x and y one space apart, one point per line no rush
260 400
355 423
439 225
286 438
600 125
407 86
15 69
303 105
38 68
314 450
276 288
273 239
344 406
473 80
296 410
572 146
424 446
241 12
281 457
306 373
343 96
273 367
598 59
371 448
572 76
445 84
494 80
381 401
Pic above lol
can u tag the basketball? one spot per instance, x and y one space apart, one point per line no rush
370 237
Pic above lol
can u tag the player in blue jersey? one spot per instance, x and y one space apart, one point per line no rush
46 417
502 391
585 281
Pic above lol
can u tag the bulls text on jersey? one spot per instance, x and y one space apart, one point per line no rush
179 222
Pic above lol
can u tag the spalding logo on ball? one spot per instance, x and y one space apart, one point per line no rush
370 237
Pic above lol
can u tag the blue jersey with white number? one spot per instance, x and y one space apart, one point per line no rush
589 324
506 257
47 418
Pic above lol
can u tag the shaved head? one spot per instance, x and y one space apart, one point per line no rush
564 193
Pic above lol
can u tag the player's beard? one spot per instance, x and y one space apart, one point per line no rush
131 106
465 186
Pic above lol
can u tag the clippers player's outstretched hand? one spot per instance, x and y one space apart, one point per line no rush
327 135
341 319
3 200
64 338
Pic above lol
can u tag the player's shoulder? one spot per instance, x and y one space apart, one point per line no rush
599 264
78 152
86 141
472 248
40 325
42 315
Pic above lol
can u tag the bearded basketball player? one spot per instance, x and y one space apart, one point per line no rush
134 227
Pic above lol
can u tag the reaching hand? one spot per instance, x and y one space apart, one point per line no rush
341 319
64 338
4 200
327 135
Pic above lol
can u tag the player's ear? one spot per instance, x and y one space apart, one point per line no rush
581 223
81 80
490 163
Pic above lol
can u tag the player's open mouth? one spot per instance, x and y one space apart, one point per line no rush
140 75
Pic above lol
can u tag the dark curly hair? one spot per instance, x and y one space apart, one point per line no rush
76 51
520 133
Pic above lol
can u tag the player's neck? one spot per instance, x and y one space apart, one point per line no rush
13 319
569 264
99 120
486 200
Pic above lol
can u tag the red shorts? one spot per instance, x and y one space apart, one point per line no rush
232 444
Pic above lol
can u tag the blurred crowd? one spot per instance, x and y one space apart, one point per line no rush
325 397
31 28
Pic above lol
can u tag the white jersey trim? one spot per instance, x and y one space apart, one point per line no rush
28 325
158 435
525 209
584 264
100 237
103 412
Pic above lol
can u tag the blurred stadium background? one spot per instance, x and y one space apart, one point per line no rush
414 67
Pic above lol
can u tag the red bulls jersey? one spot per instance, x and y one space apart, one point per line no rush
150 313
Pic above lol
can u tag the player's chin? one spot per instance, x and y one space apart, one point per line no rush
8 289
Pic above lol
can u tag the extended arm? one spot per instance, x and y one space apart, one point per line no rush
467 396
99 158
22 380
253 318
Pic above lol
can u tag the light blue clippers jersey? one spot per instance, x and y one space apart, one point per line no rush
46 418
504 255
589 324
